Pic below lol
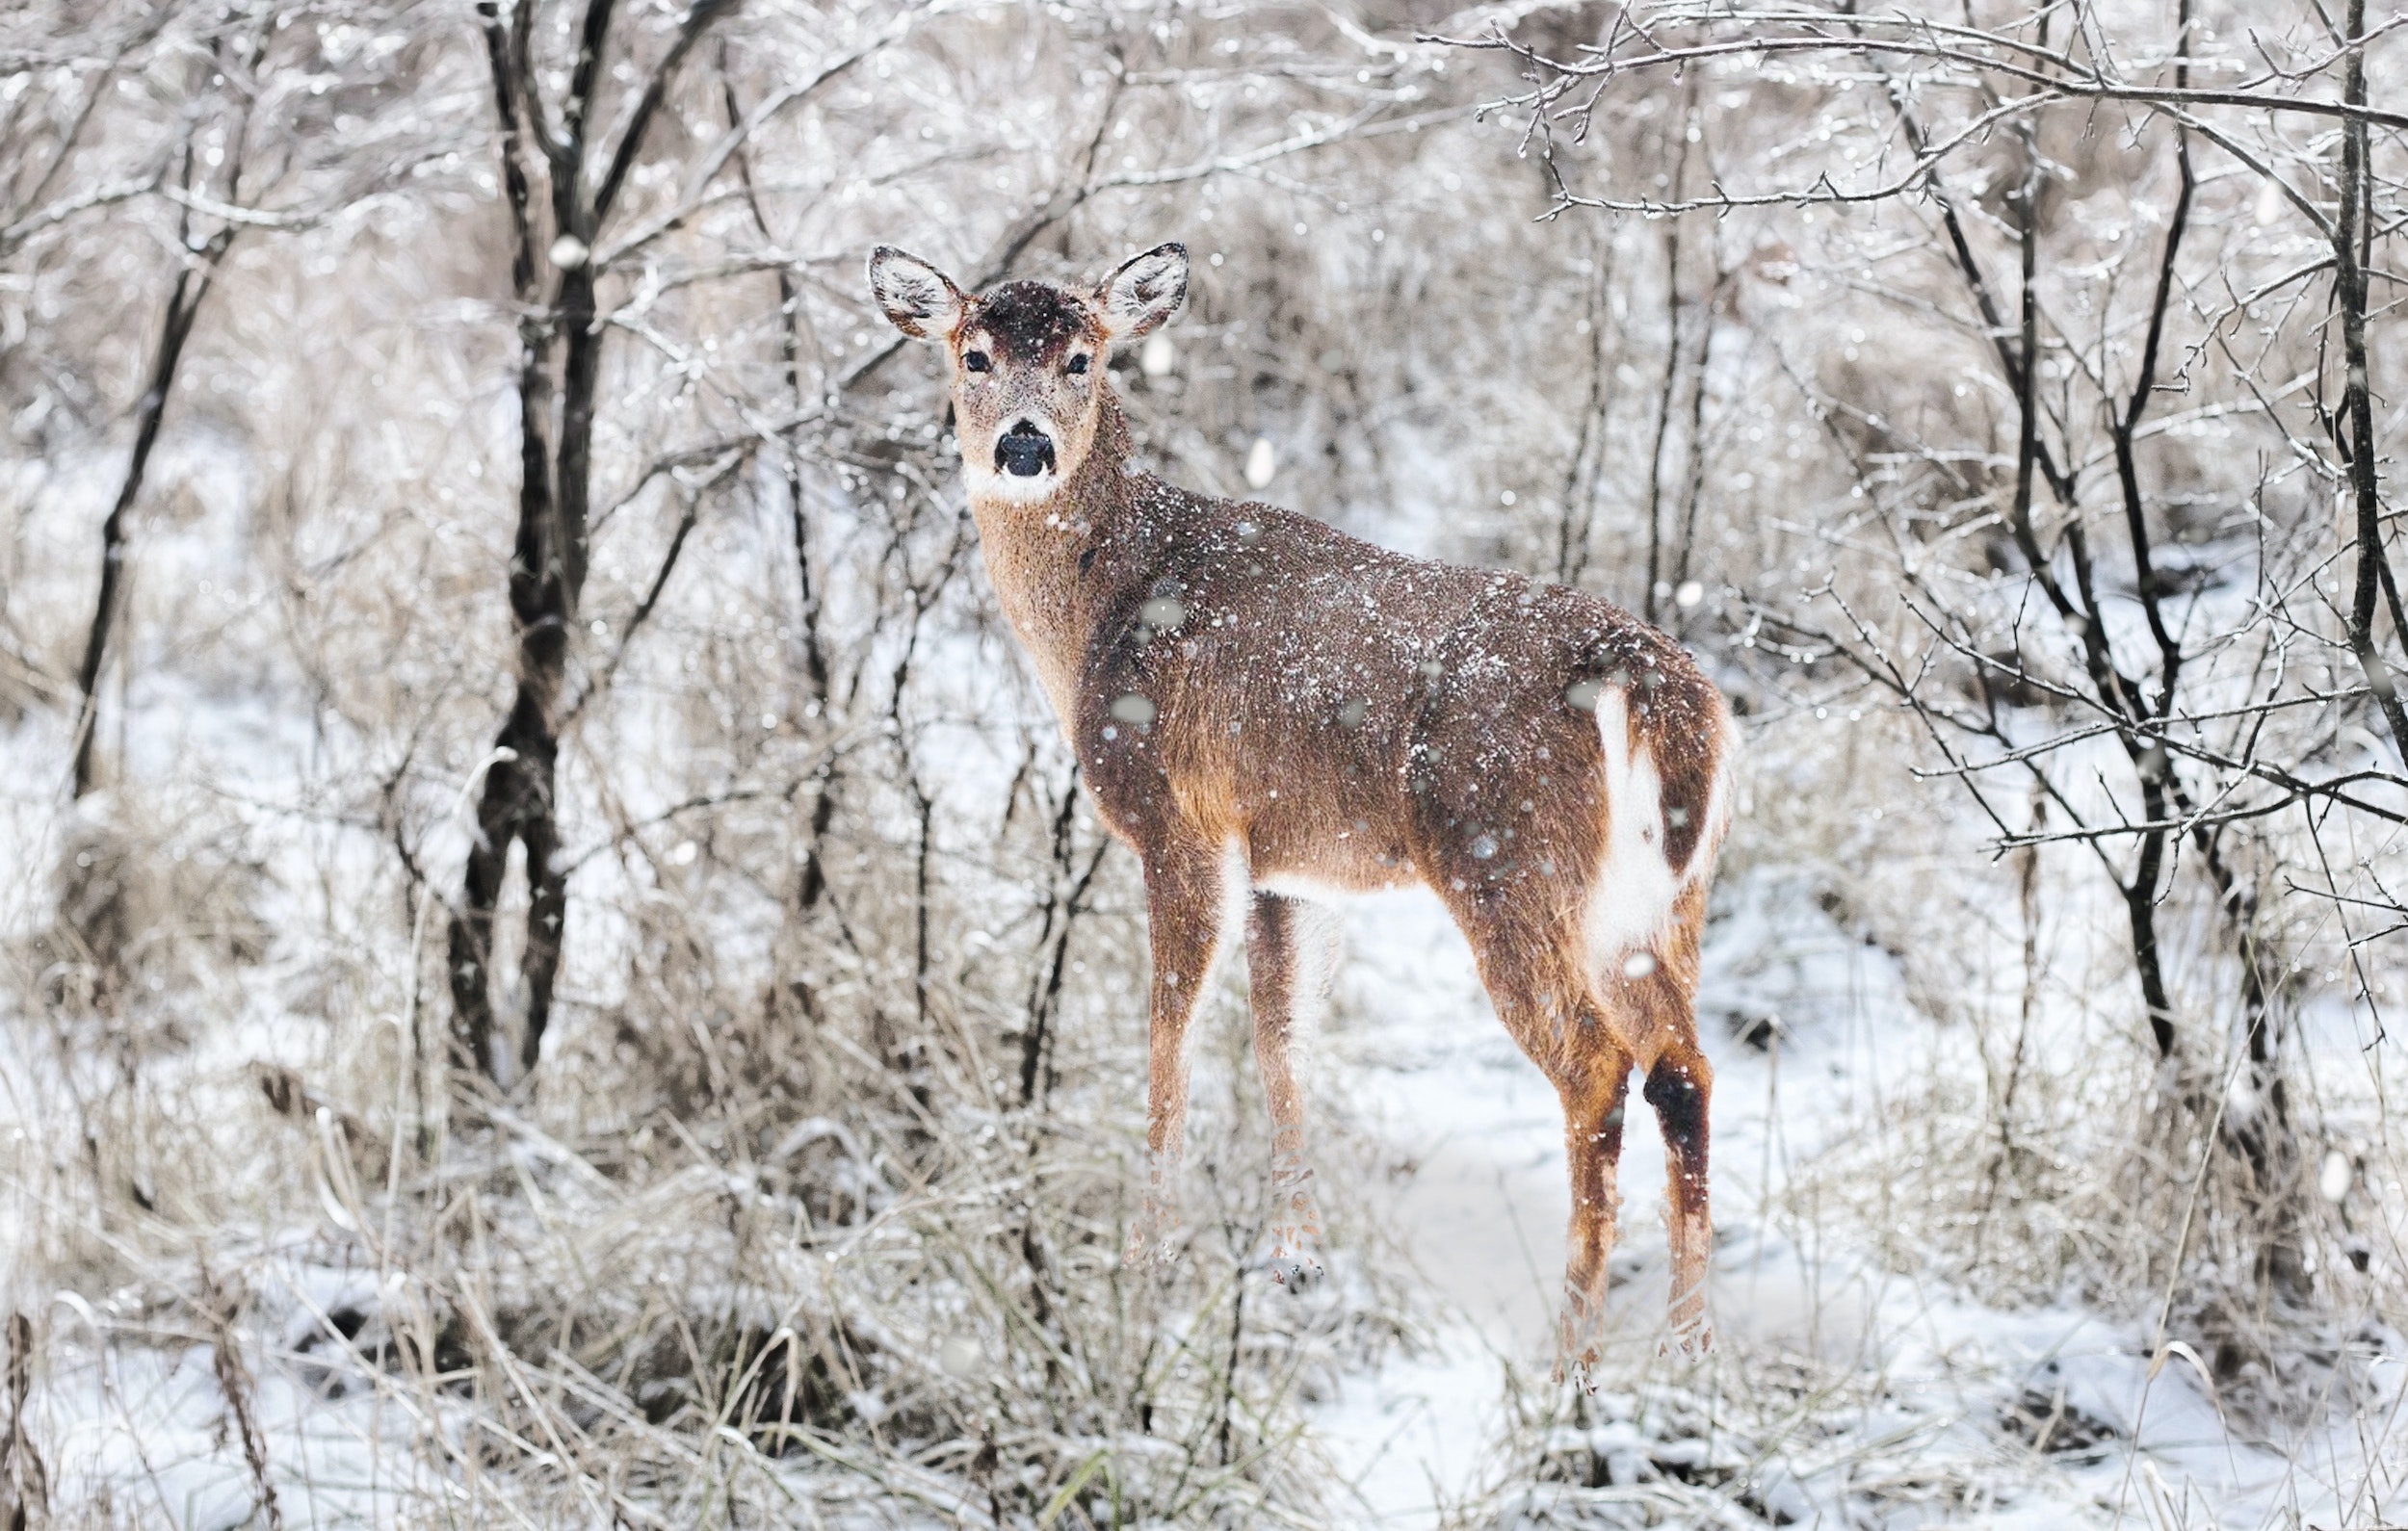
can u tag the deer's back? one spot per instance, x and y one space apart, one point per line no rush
1357 718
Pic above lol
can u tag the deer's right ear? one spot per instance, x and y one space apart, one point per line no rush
921 301
1144 292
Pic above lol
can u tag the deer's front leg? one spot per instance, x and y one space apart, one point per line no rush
1282 976
1183 919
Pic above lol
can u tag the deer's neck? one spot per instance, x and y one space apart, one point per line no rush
1050 559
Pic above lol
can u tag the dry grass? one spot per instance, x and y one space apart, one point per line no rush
720 1260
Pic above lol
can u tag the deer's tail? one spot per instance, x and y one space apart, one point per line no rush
1666 769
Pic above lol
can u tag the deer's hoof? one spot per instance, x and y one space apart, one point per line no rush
1296 1258
1689 1343
1150 1245
1579 1339
1579 1370
1692 1333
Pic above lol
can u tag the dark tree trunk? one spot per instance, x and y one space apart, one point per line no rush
2353 237
520 799
192 286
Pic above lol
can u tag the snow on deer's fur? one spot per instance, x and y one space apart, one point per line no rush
1262 703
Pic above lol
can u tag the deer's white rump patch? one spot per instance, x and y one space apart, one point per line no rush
1630 900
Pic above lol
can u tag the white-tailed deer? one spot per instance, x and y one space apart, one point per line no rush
1254 695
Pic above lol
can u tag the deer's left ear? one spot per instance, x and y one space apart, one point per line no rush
1143 293
918 299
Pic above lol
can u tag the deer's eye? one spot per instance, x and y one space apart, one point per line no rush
1078 364
977 361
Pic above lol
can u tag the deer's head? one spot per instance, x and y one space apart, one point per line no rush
1026 361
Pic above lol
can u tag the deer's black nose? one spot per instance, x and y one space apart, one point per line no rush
1024 451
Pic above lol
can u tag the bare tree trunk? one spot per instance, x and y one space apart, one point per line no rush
518 792
548 559
1694 490
811 886
2352 238
24 1482
1663 404
2149 757
192 286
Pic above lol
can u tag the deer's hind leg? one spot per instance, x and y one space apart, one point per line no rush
1535 971
1657 1006
1594 1082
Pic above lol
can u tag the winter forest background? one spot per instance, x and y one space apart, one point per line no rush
539 621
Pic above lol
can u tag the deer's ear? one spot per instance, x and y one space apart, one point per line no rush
921 301
1143 293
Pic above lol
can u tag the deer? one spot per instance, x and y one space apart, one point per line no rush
1274 715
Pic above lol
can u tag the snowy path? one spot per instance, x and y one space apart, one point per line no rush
1421 1061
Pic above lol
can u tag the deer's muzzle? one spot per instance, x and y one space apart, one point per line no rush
1024 452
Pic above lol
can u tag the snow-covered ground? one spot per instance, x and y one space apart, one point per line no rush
1842 1390
1838 1393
